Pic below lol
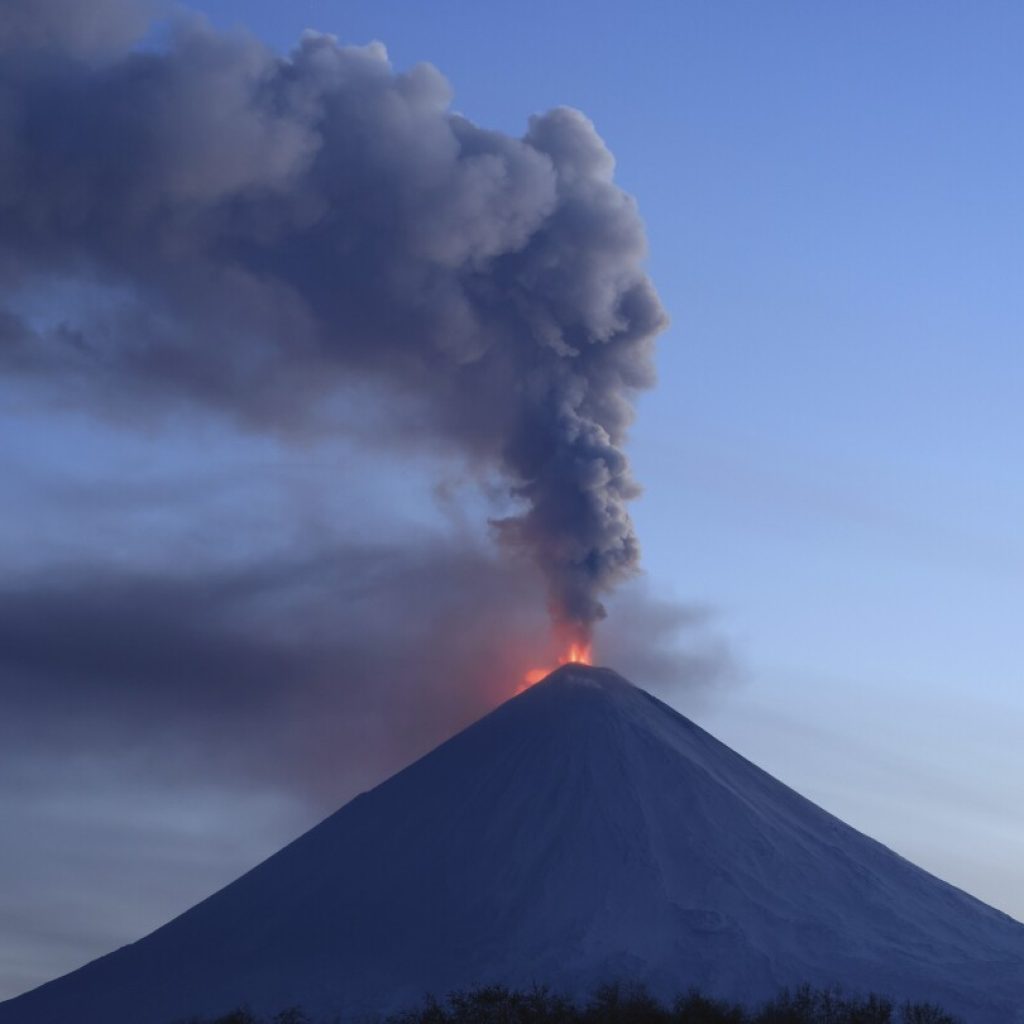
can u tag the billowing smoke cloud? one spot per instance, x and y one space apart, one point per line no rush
270 236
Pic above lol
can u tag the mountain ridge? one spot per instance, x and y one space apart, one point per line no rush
580 832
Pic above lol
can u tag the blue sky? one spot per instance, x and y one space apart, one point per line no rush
831 459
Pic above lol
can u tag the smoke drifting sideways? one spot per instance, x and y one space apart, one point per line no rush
289 673
267 235
166 727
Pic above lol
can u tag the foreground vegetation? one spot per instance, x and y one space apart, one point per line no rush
618 1004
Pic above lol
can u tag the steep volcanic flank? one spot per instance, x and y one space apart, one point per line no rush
581 832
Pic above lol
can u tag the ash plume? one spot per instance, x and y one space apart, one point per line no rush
271 235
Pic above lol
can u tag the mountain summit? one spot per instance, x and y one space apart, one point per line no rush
580 833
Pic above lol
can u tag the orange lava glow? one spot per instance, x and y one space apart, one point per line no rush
577 654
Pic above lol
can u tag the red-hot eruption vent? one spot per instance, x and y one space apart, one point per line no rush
577 654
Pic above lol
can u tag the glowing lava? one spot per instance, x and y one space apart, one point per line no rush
578 654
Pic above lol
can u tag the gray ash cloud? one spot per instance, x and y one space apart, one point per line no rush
268 233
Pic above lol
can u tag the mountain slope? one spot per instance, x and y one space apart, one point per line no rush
582 831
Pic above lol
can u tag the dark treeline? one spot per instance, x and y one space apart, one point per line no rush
631 1004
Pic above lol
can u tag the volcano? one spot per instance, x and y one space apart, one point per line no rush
582 832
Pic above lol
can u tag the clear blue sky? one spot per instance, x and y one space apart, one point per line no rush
831 459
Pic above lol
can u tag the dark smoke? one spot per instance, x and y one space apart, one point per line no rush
270 236
87 29
318 671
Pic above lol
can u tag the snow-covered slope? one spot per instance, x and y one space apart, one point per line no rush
581 832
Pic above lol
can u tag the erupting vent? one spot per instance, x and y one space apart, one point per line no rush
577 654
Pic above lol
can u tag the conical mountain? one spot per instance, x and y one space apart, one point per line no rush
580 833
